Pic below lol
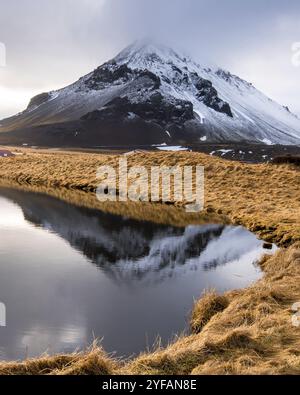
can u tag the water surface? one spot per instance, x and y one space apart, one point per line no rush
70 274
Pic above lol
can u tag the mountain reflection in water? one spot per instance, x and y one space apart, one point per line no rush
104 267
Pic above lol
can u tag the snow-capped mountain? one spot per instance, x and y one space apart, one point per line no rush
152 94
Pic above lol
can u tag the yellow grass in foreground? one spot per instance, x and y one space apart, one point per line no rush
243 332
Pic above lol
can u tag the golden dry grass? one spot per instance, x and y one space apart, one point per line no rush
205 308
91 362
264 197
242 332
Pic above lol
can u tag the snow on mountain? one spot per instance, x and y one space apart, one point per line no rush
156 85
255 116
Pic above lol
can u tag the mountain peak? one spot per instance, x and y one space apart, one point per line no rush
146 51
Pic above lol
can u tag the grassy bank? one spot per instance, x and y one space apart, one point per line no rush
248 331
265 198
158 213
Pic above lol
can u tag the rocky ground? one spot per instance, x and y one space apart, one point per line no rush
243 152
250 153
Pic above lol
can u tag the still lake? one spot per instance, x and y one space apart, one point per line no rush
69 275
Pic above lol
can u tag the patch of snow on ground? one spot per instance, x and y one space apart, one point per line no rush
225 151
267 141
172 148
131 115
204 138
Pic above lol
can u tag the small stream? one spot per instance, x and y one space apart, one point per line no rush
69 275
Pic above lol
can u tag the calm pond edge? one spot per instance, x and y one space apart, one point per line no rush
252 333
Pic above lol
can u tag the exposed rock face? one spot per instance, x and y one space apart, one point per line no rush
118 75
38 100
154 78
209 95
108 74
155 108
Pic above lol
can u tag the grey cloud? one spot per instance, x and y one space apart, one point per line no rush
52 42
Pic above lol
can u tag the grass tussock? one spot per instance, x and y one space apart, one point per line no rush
94 361
204 309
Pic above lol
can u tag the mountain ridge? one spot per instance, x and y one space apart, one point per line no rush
151 87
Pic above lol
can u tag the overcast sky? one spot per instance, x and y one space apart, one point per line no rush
51 43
